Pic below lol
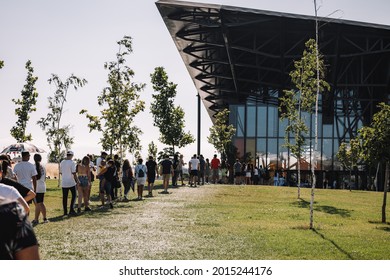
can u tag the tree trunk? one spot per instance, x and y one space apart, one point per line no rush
385 193
299 177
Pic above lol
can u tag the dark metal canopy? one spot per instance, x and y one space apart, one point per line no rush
235 55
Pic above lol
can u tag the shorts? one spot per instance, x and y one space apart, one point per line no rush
215 172
83 181
105 188
194 172
141 181
166 176
39 197
16 233
151 179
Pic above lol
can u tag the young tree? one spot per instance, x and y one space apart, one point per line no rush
27 105
375 145
349 155
152 149
58 136
121 101
302 99
221 132
168 118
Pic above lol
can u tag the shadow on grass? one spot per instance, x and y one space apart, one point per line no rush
341 250
301 203
385 226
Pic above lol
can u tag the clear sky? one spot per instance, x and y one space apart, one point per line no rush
73 36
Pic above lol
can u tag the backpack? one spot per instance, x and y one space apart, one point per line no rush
141 173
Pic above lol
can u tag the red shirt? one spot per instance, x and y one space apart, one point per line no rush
215 163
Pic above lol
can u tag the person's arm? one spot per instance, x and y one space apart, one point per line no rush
24 204
76 178
30 196
89 177
34 179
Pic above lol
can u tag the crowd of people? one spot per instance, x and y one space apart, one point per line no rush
25 184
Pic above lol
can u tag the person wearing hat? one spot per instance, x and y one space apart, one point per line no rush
26 172
68 182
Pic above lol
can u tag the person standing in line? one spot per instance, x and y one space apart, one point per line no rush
118 185
224 172
99 168
127 178
84 177
107 175
248 173
151 166
69 182
215 164
237 172
92 170
207 171
276 178
6 167
26 172
140 174
180 168
175 164
202 167
40 206
166 172
17 237
193 166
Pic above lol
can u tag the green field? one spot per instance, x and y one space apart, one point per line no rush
220 222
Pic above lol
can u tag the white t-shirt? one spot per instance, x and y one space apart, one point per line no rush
41 183
24 171
8 194
98 162
67 169
194 162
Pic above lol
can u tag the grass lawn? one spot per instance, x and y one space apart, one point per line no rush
220 222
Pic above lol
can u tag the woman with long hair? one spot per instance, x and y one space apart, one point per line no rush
40 206
127 177
84 185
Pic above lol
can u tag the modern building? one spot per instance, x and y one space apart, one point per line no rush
241 58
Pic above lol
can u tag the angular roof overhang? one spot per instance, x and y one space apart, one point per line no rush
236 54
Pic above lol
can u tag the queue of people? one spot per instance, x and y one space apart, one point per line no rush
25 184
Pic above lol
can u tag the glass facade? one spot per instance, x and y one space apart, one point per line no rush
260 138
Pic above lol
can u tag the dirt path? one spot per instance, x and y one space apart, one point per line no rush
156 228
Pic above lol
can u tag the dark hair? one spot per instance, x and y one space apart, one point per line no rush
85 161
140 160
4 166
37 159
126 164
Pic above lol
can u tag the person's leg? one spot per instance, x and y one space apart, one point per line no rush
85 197
73 199
79 197
37 212
65 192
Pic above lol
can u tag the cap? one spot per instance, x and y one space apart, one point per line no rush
69 153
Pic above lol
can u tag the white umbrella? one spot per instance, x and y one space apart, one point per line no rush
22 147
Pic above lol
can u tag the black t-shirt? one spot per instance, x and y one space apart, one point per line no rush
109 175
18 186
166 166
151 166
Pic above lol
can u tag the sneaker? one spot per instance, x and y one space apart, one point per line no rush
87 209
72 212
45 221
34 223
111 206
78 210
